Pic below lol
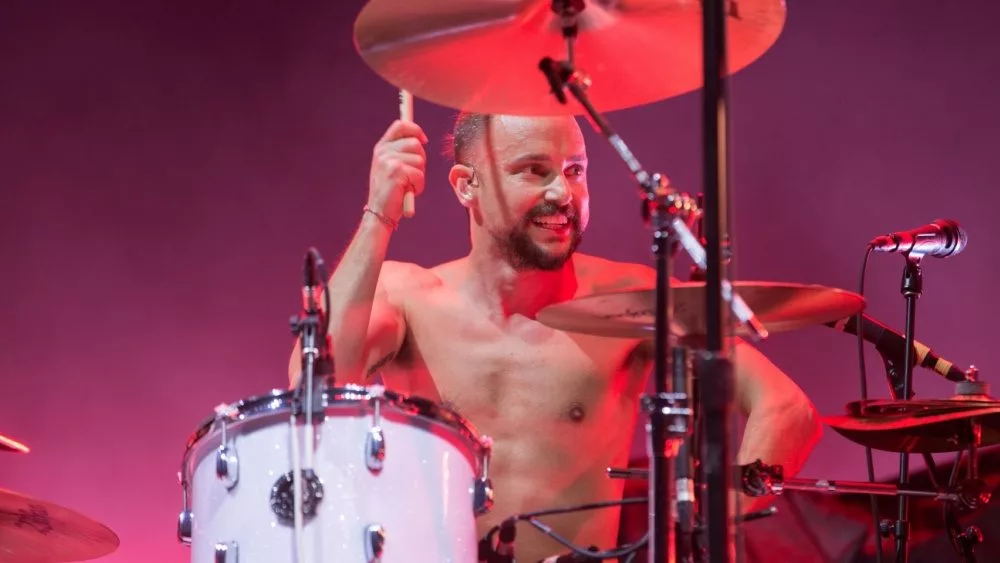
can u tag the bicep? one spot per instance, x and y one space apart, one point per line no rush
757 379
386 323
386 330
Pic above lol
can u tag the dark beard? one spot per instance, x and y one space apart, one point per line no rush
522 253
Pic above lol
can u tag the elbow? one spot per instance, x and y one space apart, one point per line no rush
812 422
804 428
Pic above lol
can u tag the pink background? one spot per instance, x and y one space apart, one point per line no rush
164 166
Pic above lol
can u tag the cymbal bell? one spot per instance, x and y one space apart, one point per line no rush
919 426
483 55
37 531
631 314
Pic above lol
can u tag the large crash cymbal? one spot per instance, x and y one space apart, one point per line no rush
483 55
630 314
36 531
919 426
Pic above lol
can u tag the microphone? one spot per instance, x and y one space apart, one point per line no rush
893 345
311 284
941 239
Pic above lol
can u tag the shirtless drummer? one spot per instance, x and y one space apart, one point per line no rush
560 407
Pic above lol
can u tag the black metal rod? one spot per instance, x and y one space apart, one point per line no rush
716 377
715 181
661 524
865 488
829 486
911 288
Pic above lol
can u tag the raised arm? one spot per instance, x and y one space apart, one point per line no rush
366 318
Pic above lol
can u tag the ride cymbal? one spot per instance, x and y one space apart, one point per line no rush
36 531
919 426
631 314
483 55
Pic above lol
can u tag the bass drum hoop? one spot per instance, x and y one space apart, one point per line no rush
279 401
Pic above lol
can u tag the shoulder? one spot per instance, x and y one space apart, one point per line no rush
406 276
609 275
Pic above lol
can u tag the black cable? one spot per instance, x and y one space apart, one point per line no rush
530 517
595 555
864 397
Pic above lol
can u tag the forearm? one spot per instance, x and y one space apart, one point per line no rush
352 290
779 433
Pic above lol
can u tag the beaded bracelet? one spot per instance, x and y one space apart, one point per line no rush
381 217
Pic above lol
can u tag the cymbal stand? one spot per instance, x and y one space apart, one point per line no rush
716 370
668 212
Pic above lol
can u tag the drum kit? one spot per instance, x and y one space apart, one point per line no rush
331 473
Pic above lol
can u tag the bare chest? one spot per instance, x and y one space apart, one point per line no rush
514 376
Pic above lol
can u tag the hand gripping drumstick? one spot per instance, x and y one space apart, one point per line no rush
406 114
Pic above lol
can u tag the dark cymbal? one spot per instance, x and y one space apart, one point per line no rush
630 314
36 531
11 445
483 55
919 426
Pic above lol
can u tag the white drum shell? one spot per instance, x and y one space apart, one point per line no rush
423 497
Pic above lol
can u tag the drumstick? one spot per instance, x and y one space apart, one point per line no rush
406 114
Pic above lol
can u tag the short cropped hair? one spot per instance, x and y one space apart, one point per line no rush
468 128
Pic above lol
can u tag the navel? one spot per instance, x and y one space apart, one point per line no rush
576 412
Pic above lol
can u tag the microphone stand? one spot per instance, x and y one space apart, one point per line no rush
911 289
310 327
308 398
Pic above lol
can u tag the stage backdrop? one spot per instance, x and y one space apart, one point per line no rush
165 165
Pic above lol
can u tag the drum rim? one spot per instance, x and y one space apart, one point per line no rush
276 400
